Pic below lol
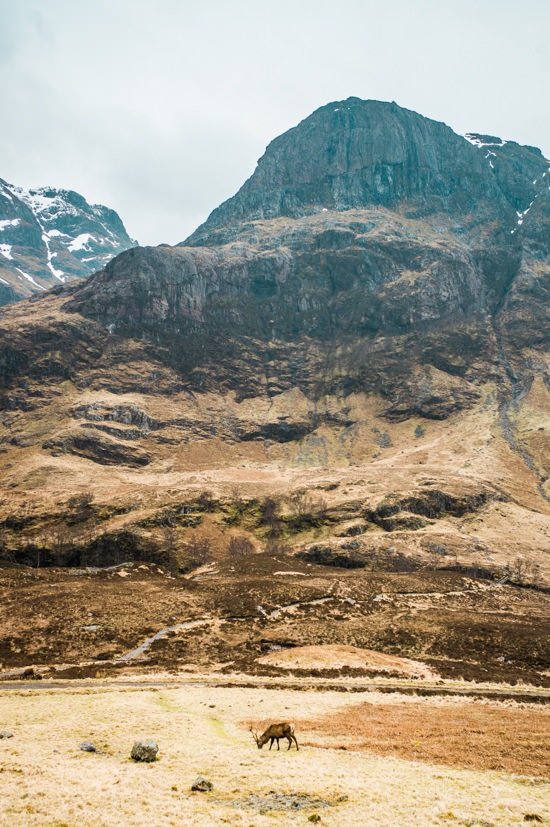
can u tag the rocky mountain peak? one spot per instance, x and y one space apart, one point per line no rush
49 236
354 154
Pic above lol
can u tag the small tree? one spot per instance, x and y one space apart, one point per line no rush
170 547
197 553
240 546
269 515
307 510
60 541
238 501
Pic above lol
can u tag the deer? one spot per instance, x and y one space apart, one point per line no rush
273 733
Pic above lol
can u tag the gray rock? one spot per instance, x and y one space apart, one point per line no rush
6 734
201 785
87 746
144 751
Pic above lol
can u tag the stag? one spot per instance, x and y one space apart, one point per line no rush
273 733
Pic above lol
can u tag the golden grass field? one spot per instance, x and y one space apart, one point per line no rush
390 760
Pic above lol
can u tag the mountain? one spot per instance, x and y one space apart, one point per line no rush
345 367
404 255
50 236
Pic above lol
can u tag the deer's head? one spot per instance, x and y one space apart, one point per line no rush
256 738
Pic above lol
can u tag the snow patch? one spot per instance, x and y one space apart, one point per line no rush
13 222
521 215
30 278
58 274
4 281
475 140
5 249
44 206
81 242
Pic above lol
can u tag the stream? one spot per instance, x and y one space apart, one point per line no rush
507 405
135 653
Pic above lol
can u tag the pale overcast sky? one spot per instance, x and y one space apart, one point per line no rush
161 108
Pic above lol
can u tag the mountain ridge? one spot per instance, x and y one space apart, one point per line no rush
434 254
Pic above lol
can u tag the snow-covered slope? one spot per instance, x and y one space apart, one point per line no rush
48 236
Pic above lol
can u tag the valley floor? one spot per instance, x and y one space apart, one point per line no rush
386 760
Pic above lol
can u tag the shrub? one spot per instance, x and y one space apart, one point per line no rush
206 501
79 508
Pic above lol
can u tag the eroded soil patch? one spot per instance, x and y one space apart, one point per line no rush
283 802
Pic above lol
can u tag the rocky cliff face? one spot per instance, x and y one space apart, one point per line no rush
49 236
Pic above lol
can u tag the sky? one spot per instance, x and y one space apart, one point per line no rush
160 109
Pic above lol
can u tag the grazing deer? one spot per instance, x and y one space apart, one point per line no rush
273 733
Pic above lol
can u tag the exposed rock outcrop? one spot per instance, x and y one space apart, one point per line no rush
355 154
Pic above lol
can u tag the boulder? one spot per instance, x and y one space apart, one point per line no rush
145 751
201 785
